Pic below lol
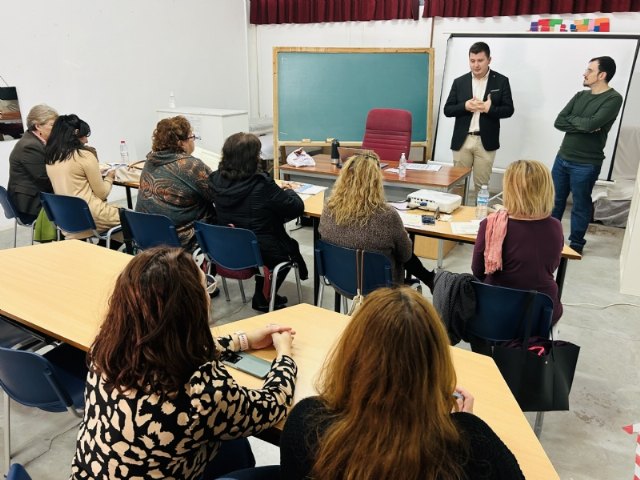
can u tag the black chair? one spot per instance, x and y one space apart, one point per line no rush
10 212
265 472
499 317
72 215
337 267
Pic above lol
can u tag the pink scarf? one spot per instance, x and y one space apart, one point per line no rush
494 236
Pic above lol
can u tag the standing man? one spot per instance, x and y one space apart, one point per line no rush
478 100
586 119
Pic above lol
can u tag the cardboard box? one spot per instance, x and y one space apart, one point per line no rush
426 247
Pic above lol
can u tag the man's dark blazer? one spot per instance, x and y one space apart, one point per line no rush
28 175
501 107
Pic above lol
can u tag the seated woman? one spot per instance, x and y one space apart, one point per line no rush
159 403
386 407
174 183
520 246
250 199
27 171
357 216
73 169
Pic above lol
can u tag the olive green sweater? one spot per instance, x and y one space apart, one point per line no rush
587 119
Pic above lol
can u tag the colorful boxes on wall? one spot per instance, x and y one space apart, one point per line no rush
580 25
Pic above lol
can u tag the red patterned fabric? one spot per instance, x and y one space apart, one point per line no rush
318 11
495 8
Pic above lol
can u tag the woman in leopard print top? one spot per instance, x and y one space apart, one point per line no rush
158 401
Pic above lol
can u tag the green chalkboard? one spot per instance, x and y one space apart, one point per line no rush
327 93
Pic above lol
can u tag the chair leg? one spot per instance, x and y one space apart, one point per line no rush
33 225
244 297
15 235
537 427
7 431
345 307
298 284
320 293
274 283
226 290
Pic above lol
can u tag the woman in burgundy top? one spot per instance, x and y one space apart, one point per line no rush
522 247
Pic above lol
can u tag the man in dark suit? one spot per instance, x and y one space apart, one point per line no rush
478 100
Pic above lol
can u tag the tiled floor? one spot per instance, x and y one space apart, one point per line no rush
585 443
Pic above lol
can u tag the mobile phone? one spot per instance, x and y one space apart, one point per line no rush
247 363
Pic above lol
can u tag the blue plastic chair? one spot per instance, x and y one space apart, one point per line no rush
150 230
499 310
236 253
53 382
337 266
72 215
14 336
17 472
499 318
10 212
265 472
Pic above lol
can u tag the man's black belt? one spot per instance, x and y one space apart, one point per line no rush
474 133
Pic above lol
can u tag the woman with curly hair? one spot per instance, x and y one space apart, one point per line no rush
174 183
386 407
357 216
159 402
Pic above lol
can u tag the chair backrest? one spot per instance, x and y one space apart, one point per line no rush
500 313
228 247
30 379
17 472
7 204
70 214
338 266
150 230
388 133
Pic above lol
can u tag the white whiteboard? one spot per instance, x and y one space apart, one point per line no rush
545 71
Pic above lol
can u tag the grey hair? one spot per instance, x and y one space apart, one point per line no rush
39 115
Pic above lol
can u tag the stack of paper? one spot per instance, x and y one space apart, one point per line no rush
465 228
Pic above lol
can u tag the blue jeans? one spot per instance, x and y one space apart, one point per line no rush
579 179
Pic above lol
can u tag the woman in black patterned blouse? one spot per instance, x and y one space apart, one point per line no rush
159 404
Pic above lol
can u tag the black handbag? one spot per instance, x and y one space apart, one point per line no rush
539 371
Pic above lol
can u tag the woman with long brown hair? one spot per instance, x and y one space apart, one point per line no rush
159 403
358 216
386 407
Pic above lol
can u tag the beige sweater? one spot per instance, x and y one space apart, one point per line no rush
79 176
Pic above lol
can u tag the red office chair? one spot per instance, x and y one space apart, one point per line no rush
388 133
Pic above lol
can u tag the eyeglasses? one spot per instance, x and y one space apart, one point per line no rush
193 137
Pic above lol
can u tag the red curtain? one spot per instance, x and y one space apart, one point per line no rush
495 8
318 11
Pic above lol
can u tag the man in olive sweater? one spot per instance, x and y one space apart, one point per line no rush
586 121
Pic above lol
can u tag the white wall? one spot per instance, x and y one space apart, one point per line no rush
114 63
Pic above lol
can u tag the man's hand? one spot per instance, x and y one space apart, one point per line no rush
472 105
485 105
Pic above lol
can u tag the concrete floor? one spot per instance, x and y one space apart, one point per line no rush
586 443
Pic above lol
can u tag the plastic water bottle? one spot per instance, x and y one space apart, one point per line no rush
124 152
402 167
482 202
172 100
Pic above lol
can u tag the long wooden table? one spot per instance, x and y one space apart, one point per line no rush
441 231
443 180
62 289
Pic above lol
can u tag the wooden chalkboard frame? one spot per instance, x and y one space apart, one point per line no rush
278 143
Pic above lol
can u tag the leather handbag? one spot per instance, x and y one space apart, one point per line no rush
539 371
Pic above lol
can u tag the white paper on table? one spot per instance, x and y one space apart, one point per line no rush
411 219
423 167
309 189
465 228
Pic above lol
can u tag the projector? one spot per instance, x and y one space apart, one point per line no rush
432 200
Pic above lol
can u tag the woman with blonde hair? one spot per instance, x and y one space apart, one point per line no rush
358 216
386 407
520 246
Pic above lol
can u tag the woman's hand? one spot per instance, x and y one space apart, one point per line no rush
111 174
264 337
282 342
464 400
